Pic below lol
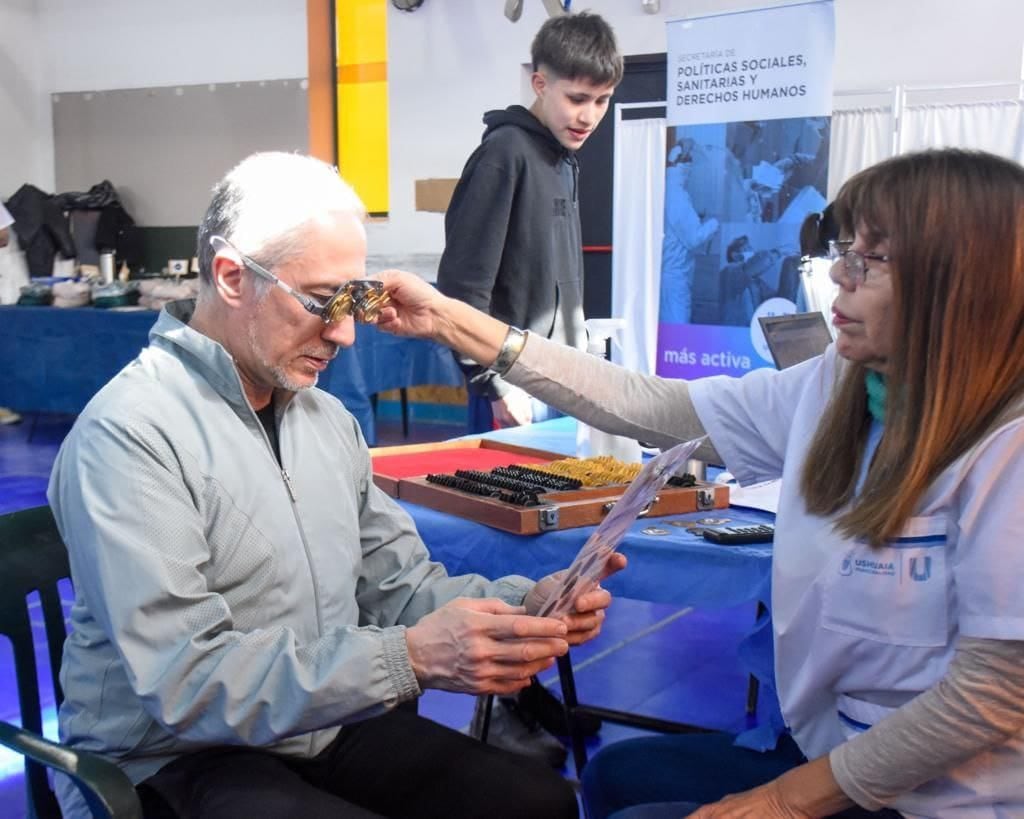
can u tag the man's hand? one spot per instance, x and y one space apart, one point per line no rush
413 308
513 409
483 647
584 621
5 237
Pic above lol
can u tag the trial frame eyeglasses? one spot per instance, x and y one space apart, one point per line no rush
855 263
361 298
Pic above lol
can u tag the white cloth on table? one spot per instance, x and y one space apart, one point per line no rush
71 294
13 268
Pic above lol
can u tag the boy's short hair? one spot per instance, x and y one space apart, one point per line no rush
575 46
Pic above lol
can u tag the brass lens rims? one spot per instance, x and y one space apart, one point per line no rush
363 299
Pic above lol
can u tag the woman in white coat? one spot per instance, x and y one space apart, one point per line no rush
898 572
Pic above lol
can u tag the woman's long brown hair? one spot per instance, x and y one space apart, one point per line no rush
954 221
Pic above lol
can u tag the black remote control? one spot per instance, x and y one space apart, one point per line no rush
737 535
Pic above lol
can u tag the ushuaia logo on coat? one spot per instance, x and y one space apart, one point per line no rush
920 568
864 565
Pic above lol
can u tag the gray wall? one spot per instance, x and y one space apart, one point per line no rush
164 148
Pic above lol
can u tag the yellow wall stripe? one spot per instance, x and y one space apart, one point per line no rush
361 43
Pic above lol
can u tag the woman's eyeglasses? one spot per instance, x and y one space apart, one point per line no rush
360 298
855 263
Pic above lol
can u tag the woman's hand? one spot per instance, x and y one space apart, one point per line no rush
765 802
419 310
804 792
413 310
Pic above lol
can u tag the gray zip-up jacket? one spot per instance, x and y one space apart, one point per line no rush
222 597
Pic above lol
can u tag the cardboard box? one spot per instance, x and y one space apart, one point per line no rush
433 195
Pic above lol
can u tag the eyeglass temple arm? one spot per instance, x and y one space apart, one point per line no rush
260 270
219 243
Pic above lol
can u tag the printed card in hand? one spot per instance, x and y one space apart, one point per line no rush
585 572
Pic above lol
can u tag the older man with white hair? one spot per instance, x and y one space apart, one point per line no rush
250 610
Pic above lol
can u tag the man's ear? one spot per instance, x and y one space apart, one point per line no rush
227 278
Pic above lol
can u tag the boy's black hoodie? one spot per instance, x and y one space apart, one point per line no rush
513 247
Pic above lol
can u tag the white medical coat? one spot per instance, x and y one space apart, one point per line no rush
859 631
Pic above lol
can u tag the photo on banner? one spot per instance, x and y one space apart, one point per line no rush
746 160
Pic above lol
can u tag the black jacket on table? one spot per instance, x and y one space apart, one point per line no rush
42 228
513 247
114 227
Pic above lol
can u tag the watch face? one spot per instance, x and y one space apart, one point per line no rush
407 5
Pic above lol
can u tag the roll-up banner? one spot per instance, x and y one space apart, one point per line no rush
749 125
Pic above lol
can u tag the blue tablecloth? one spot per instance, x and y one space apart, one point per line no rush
677 567
54 360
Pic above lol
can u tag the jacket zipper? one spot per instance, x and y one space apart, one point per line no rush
298 521
305 545
312 576
288 484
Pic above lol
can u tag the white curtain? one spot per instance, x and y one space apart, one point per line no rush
863 136
637 223
860 138
997 127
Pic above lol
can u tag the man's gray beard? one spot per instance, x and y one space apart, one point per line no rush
281 379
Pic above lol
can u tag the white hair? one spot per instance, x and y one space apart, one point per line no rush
263 205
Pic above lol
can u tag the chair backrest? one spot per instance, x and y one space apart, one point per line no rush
32 559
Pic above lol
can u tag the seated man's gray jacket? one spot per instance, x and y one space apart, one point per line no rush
221 598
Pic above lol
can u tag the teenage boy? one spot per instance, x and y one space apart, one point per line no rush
513 249
513 246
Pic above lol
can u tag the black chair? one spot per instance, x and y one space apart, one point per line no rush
33 559
575 711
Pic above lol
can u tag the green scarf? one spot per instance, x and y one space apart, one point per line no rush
875 383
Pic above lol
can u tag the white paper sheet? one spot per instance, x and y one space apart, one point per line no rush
763 496
585 572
